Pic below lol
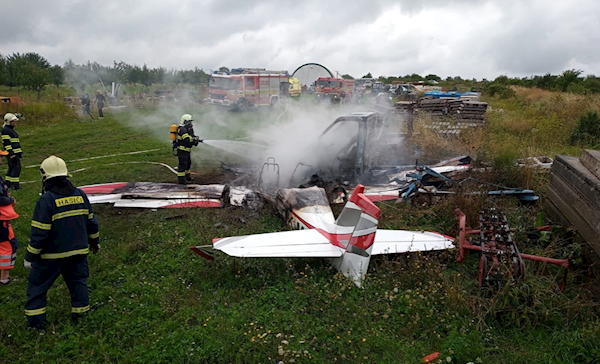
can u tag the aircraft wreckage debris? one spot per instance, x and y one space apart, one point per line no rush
349 241
160 195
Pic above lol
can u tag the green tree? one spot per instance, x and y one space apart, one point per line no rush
431 77
567 78
146 77
14 70
592 83
36 77
57 74
368 75
223 69
2 70
347 77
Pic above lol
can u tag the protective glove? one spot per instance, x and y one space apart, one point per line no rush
27 264
95 248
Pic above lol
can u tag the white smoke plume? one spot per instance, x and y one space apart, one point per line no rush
289 134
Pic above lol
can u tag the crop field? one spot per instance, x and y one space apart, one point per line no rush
154 301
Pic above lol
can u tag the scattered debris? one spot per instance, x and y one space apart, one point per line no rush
543 163
158 195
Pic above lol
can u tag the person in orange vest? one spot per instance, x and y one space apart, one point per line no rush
8 241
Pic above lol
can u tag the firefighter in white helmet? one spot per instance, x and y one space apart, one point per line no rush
186 139
12 145
63 231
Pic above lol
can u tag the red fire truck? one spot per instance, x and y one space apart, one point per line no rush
334 89
243 88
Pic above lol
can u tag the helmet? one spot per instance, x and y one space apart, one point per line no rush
9 117
186 119
53 167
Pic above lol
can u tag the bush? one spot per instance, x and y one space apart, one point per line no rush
587 130
504 91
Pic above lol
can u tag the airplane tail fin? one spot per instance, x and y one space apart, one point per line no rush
362 216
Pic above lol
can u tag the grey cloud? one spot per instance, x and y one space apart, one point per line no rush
518 38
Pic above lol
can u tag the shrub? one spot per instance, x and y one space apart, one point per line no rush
504 91
587 130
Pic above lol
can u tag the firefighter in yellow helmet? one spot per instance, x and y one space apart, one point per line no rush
12 145
186 139
63 231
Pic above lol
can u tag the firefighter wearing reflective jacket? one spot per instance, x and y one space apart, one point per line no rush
185 141
12 145
63 231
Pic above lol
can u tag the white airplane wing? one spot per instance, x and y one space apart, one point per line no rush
284 244
403 241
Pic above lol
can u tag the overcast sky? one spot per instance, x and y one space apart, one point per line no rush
468 38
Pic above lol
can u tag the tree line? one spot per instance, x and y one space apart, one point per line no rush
32 71
568 81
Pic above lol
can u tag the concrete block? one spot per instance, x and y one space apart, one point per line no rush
587 211
558 207
578 176
591 160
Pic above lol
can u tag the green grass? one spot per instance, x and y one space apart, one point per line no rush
153 300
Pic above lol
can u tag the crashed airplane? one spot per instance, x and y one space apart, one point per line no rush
348 242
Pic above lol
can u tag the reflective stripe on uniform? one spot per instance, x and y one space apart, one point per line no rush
80 309
91 216
40 225
65 254
38 311
62 215
5 136
33 250
14 140
7 264
185 149
8 147
94 236
18 150
186 135
180 174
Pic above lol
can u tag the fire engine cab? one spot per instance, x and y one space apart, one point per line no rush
334 89
243 88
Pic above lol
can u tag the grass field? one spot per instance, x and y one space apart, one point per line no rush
155 301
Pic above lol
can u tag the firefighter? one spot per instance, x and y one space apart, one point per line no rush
185 141
63 231
12 145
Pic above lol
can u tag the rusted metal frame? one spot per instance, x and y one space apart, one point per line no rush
464 244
